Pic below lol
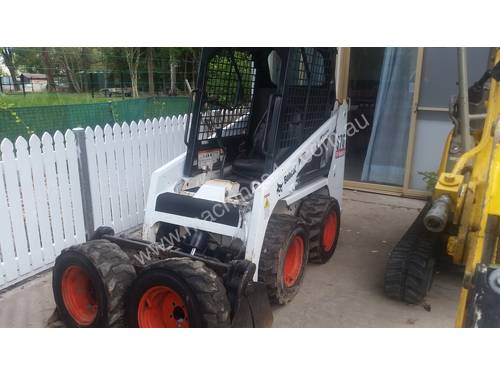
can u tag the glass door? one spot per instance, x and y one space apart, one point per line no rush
381 90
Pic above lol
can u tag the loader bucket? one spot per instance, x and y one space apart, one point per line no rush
254 309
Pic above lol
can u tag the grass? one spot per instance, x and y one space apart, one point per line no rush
42 99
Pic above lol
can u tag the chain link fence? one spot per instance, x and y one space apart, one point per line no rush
24 121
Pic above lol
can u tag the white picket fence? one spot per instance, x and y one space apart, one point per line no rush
41 209
40 203
121 160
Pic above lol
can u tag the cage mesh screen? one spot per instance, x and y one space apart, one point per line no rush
307 102
229 93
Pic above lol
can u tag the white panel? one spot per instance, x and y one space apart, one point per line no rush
150 148
122 180
41 199
74 183
157 144
64 193
95 191
49 164
112 168
169 133
9 262
175 136
134 218
144 158
102 170
15 205
163 141
28 194
136 170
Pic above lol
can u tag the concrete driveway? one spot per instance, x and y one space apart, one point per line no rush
346 292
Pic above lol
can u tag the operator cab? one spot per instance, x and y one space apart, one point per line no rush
254 106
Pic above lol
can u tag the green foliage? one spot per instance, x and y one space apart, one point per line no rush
42 99
430 178
8 108
223 85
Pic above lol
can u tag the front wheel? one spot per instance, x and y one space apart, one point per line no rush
89 282
322 217
283 258
178 293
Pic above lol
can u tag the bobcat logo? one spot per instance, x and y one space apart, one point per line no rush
279 188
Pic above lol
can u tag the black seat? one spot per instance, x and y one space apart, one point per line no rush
249 168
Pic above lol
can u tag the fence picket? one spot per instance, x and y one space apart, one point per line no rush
74 183
144 159
112 169
163 141
49 163
150 146
93 177
64 194
41 199
169 133
136 170
9 261
131 194
175 135
28 202
15 205
122 181
103 178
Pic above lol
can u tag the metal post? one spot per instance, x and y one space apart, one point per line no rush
463 99
1 84
83 171
22 83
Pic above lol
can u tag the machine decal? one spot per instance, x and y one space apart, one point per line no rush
340 146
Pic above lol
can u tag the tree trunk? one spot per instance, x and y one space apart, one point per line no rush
133 57
7 59
151 66
71 75
48 69
173 79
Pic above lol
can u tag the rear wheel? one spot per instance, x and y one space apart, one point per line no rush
178 293
322 217
283 258
89 282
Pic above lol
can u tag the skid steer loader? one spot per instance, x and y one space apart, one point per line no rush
230 224
461 221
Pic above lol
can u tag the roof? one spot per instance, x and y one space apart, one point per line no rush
35 75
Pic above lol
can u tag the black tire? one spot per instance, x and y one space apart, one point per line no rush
204 297
410 268
281 229
314 211
109 273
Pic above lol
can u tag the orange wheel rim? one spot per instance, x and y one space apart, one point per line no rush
329 231
293 261
162 307
79 295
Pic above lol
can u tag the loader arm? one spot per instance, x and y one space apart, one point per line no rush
472 189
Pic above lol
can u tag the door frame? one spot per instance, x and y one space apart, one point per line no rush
343 64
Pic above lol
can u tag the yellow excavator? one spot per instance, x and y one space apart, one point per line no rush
462 219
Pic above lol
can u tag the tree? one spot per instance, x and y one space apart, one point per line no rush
133 56
151 67
49 70
8 59
71 67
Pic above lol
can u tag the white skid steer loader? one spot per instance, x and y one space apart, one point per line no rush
230 224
